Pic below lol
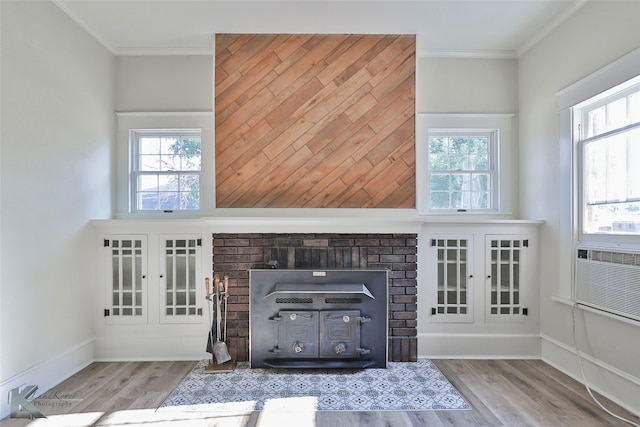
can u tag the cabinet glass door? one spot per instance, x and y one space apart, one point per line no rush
505 277
453 279
126 288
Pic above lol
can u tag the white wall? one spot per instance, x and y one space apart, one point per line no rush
599 33
57 135
473 86
466 85
164 83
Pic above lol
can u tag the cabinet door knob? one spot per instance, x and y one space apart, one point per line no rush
471 276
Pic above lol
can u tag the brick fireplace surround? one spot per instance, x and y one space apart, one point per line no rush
234 254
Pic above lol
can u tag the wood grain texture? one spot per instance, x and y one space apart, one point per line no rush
315 121
508 393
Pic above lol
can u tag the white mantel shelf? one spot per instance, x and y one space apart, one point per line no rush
304 221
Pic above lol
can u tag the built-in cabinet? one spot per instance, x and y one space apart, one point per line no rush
150 293
502 277
478 290
477 284
175 280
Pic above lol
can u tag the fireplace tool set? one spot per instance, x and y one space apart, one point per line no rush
219 350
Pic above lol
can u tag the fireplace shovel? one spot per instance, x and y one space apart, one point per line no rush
220 350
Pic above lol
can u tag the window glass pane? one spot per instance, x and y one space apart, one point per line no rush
148 182
462 154
480 200
612 184
167 155
439 153
149 163
167 200
169 145
148 201
168 182
440 200
440 182
617 114
149 145
170 162
191 163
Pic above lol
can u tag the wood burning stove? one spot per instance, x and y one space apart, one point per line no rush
318 319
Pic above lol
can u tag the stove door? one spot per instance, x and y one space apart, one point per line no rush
298 334
340 333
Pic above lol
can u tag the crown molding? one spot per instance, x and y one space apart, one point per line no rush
468 53
164 51
84 26
552 25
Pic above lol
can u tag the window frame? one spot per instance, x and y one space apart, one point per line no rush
493 148
505 178
134 143
578 115
127 121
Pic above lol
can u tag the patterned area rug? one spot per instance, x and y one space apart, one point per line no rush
403 386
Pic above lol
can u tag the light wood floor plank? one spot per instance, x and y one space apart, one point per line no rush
502 392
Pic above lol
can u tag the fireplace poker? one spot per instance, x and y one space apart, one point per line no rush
226 296
208 297
219 347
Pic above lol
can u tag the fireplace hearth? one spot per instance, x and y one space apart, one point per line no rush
318 318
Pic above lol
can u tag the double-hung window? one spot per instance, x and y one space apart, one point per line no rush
166 167
462 173
607 137
465 164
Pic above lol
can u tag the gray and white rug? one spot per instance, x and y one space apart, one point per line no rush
403 386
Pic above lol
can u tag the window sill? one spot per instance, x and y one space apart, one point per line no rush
571 303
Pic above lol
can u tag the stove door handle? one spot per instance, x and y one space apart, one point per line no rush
363 350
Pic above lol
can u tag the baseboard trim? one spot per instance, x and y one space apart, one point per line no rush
478 346
616 385
142 348
48 373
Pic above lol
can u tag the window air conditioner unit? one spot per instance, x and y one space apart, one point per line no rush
609 280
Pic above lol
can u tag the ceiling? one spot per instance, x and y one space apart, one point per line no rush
480 28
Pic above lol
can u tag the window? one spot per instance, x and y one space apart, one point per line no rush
132 126
607 141
461 169
465 164
166 170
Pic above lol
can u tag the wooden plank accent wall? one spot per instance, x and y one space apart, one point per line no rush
315 121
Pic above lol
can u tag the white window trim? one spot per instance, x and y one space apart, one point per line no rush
614 74
134 141
505 158
611 75
579 119
127 121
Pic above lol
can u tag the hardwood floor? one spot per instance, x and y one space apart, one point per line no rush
503 393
